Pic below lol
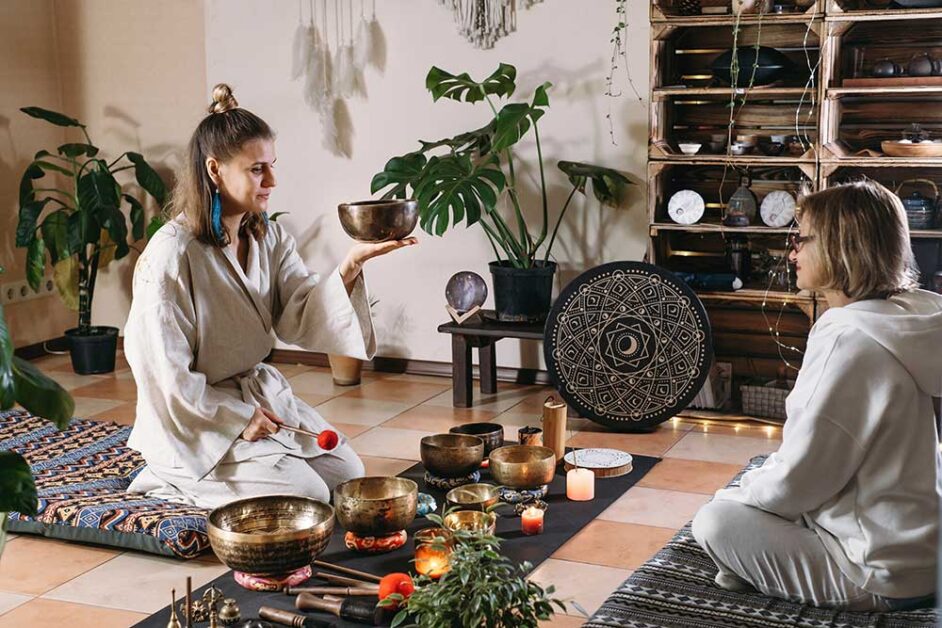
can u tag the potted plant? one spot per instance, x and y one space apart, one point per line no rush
79 223
23 383
482 589
468 176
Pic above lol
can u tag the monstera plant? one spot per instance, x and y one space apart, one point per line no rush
74 219
467 177
23 383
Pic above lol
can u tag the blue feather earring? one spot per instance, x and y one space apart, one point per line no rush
216 217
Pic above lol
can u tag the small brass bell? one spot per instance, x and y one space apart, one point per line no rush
229 614
174 622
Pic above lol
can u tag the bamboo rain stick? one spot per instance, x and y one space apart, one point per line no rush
347 570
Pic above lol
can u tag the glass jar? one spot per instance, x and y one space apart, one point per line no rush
741 209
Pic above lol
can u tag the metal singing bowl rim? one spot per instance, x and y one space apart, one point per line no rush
266 538
378 204
409 486
477 429
472 494
521 454
460 441
478 519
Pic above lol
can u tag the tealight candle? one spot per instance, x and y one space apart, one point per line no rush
433 547
580 485
531 521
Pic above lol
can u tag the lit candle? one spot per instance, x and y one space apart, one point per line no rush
580 485
531 521
433 547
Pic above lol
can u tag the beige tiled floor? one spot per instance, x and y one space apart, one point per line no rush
45 582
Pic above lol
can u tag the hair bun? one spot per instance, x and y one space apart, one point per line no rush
223 100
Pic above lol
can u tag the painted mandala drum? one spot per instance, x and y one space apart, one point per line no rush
628 345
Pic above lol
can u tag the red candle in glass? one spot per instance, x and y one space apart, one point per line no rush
531 521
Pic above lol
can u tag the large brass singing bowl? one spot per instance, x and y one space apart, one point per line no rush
471 521
378 221
451 455
270 535
472 497
523 466
374 506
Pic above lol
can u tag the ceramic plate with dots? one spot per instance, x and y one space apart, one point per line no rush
628 345
778 209
605 463
685 207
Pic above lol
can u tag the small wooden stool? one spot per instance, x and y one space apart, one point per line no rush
483 333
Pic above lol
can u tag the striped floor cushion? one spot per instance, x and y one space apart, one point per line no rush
675 589
81 474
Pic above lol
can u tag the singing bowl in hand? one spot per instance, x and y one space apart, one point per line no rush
270 535
378 221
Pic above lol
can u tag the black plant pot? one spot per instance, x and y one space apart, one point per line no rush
522 295
93 352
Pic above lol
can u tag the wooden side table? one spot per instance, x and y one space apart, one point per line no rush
483 333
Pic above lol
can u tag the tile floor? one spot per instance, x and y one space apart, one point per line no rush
51 583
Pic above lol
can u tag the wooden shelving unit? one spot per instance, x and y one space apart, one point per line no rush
843 125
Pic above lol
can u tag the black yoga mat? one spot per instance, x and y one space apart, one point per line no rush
563 520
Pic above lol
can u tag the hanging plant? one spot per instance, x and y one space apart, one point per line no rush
619 55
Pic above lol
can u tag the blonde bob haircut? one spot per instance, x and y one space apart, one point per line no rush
862 240
220 135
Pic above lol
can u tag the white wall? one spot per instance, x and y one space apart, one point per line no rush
248 45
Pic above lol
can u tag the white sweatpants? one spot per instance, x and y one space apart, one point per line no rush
278 474
779 558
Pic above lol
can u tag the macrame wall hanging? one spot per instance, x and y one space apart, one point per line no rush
331 53
483 22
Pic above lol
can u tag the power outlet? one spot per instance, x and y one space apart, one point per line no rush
19 291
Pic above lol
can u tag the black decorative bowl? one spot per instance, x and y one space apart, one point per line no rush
770 65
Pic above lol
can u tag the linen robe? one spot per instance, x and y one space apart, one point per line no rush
198 330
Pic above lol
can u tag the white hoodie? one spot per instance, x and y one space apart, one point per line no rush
859 460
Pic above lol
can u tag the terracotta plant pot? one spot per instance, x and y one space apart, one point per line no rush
345 370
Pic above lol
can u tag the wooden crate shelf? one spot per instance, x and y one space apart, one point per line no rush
845 38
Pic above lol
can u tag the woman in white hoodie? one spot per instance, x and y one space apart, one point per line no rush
846 513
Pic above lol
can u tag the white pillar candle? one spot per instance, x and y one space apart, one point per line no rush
580 485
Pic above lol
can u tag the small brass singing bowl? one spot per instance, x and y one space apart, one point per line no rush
491 433
523 466
471 521
374 506
472 497
270 535
451 455
378 221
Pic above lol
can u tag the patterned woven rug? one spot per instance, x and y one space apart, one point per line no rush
81 474
675 589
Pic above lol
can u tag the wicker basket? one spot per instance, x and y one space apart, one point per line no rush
765 401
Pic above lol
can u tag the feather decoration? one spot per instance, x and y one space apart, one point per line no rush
363 46
347 72
329 126
299 51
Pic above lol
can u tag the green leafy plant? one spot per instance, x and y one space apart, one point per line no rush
23 383
463 178
80 225
483 589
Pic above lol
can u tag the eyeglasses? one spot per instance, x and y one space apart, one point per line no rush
796 241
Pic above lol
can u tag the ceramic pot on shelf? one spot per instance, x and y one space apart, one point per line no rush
921 65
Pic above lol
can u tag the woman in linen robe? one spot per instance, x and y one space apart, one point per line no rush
208 303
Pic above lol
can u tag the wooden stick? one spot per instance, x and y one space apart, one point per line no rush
337 591
348 571
350 582
298 430
189 601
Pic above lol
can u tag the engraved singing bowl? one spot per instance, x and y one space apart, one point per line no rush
378 221
491 433
471 521
270 535
451 455
523 466
472 497
374 506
